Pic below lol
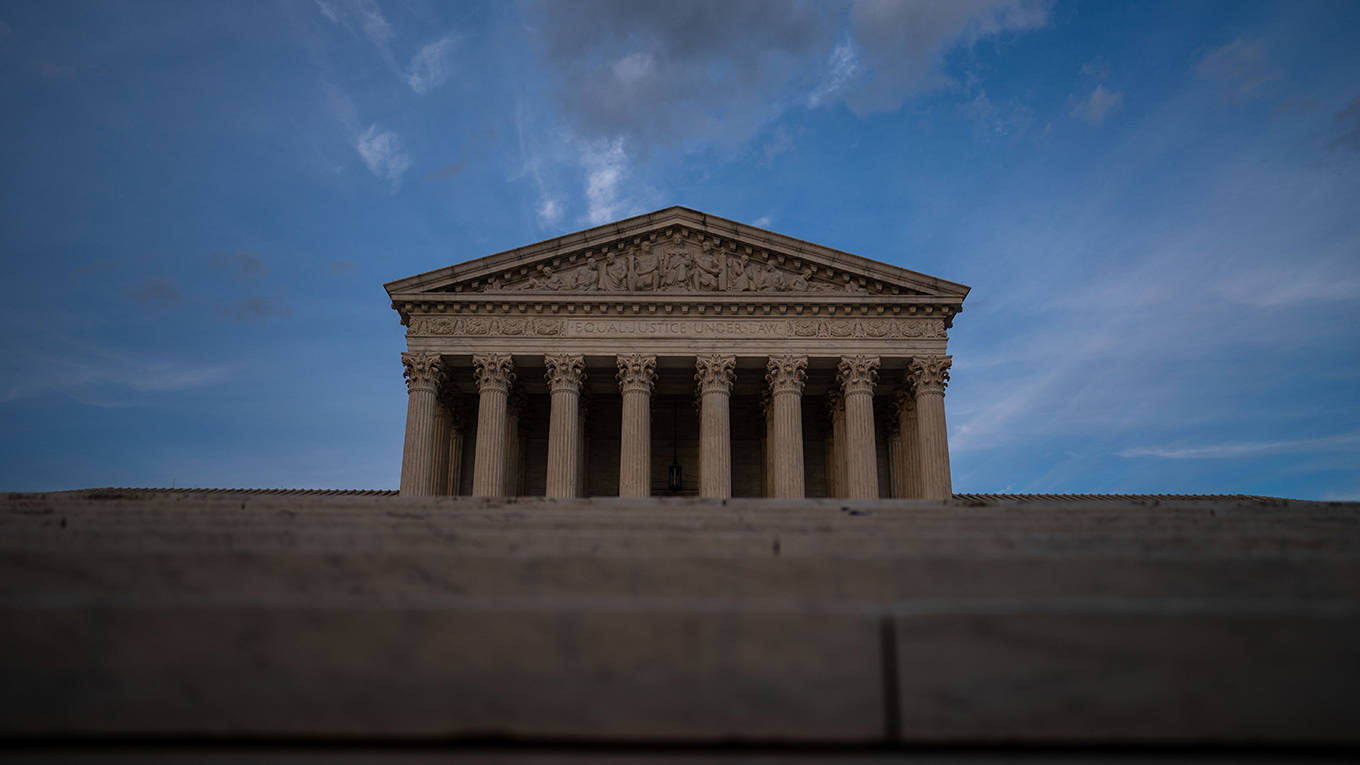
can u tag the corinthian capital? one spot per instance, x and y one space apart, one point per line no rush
715 373
422 371
566 371
494 371
857 374
786 374
637 372
929 374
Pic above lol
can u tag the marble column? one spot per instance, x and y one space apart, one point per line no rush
516 411
835 444
896 487
928 376
637 378
767 443
715 374
857 375
443 432
583 446
907 466
786 376
422 372
495 373
457 433
565 373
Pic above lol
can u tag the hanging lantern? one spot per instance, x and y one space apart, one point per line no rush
675 477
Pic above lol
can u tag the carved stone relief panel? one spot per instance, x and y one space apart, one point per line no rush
625 327
676 261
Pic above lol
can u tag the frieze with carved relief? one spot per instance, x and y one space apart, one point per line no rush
832 328
676 261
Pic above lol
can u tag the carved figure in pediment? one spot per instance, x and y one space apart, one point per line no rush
679 270
615 276
584 278
757 277
801 282
737 280
646 270
546 279
708 271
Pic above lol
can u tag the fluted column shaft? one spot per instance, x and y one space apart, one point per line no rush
896 485
786 376
857 375
714 376
456 438
767 444
908 464
443 430
422 372
514 413
928 376
495 373
583 446
637 378
835 453
565 373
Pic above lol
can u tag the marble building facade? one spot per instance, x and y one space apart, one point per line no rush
676 353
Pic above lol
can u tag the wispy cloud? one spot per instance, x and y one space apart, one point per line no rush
446 172
1098 105
431 67
1242 449
256 308
843 65
157 293
382 152
244 265
1347 122
1241 70
361 15
549 211
606 166
102 376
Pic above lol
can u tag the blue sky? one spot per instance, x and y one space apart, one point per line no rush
1157 206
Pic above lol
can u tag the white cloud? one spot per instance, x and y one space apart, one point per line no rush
843 65
1238 449
430 66
1241 69
763 221
549 211
634 67
1095 107
606 165
381 152
104 377
363 14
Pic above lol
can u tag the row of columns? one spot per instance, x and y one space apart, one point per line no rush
918 447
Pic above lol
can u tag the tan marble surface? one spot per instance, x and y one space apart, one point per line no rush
681 620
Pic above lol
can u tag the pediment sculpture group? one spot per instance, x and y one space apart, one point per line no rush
676 268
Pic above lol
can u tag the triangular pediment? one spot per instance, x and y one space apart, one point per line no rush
676 251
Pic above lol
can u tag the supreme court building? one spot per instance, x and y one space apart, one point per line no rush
676 353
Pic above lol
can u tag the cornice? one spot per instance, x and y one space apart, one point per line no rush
625 304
